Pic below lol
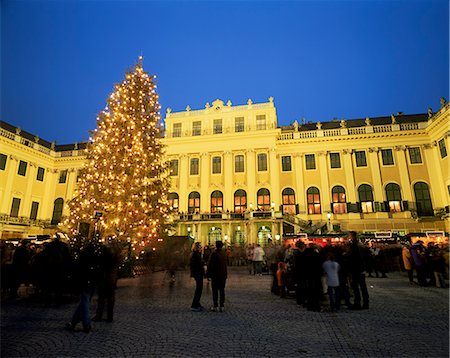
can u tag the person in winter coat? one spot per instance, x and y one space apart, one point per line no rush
197 273
258 259
418 254
217 272
407 261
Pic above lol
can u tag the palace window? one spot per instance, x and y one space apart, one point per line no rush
261 122
40 174
240 201
387 157
194 166
263 199
57 211
414 155
217 126
194 202
22 168
239 124
216 165
339 200
3 158
335 160
239 164
365 195
262 162
34 210
15 208
313 200
216 201
62 176
286 165
442 148
196 128
173 201
288 199
176 131
310 161
360 157
173 166
394 197
423 199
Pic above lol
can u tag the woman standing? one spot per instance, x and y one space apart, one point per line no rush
197 272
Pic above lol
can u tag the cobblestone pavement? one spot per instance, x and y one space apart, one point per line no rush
153 319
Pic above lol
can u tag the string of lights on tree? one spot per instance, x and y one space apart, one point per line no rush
125 177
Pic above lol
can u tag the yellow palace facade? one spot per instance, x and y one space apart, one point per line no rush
238 176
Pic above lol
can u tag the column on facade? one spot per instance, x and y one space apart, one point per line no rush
405 180
437 184
324 182
25 208
251 178
6 205
228 181
274 177
48 199
299 182
204 181
349 176
375 169
183 183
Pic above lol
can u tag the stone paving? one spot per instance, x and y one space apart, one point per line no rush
153 319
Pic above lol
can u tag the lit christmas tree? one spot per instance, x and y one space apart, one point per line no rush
124 182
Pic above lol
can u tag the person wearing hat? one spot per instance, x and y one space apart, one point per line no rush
217 272
197 273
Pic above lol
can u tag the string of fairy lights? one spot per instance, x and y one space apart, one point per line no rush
125 177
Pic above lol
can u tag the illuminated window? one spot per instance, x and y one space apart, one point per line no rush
313 200
176 132
365 195
240 201
239 164
173 201
194 202
216 201
263 199
288 199
394 197
339 200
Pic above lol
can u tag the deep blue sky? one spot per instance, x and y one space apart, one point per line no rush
318 59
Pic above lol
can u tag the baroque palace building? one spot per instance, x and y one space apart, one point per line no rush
238 176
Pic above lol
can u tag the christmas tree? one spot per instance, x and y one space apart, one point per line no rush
123 186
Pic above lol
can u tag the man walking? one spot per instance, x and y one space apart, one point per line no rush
358 274
217 272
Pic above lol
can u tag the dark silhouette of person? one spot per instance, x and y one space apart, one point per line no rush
110 259
217 272
20 266
357 272
300 271
314 290
197 273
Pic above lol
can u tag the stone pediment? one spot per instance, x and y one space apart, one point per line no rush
217 104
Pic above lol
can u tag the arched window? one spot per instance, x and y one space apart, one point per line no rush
240 201
313 199
194 202
423 199
264 235
365 195
339 200
173 201
288 199
394 197
57 211
216 201
263 199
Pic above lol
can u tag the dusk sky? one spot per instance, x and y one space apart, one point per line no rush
318 59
